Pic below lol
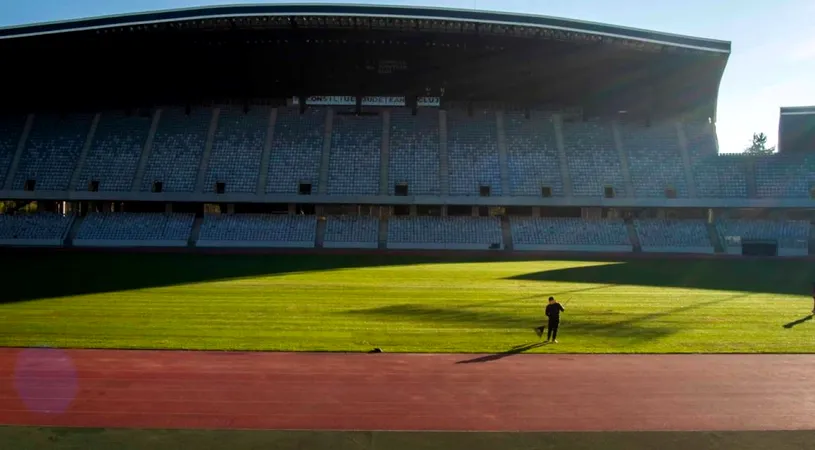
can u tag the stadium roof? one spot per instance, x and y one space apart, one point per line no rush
797 110
369 11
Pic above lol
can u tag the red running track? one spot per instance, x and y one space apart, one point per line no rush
164 389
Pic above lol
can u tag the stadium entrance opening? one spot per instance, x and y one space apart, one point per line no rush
759 248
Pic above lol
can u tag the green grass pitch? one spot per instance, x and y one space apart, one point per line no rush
402 304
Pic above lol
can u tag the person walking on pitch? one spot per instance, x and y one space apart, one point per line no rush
553 310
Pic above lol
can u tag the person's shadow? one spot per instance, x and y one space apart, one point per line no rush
798 322
518 349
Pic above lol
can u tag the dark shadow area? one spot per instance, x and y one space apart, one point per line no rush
798 322
517 350
770 276
33 275
39 274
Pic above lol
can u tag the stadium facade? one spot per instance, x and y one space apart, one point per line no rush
404 127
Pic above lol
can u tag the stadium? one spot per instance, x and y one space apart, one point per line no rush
297 179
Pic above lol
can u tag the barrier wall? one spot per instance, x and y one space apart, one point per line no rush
574 248
435 246
700 250
793 252
255 244
350 245
31 242
126 244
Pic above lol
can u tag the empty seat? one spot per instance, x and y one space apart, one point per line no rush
414 151
654 159
39 226
444 230
568 231
472 152
356 143
114 155
11 127
532 154
127 226
297 149
52 151
594 162
177 149
258 228
666 233
237 148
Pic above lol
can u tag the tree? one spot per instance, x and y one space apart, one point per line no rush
759 146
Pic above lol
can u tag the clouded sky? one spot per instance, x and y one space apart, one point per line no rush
772 62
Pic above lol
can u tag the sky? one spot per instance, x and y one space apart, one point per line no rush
772 62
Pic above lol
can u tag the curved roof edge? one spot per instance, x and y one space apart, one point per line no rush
797 110
401 12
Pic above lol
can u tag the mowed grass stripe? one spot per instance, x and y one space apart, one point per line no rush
342 303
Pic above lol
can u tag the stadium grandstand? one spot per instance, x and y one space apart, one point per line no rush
380 127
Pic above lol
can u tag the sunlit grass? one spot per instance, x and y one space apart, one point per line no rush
403 305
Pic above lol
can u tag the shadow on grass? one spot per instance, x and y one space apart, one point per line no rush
629 329
798 322
770 277
517 350
635 329
33 275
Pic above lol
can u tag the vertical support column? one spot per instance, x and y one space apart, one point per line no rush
326 158
80 164
502 153
557 121
618 143
414 210
263 176
292 209
686 162
750 174
145 154
474 211
444 179
204 163
230 208
18 154
384 153
536 211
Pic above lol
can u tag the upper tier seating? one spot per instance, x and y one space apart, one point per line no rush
114 154
237 148
532 154
715 175
177 149
472 150
414 151
128 226
297 148
594 162
789 176
52 151
654 159
356 145
11 127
